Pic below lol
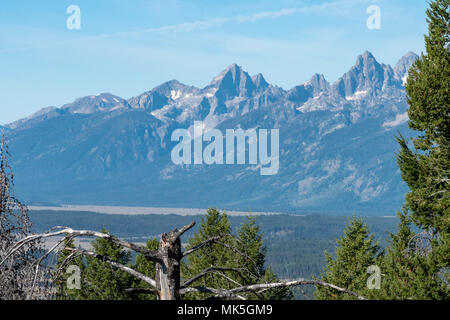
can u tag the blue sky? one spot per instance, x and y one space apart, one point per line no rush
127 47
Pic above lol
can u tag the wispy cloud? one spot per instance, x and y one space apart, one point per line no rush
329 7
326 7
337 7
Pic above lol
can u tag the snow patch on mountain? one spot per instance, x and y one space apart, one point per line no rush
357 95
175 94
332 153
399 119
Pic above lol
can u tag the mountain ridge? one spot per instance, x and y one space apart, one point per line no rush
337 144
163 91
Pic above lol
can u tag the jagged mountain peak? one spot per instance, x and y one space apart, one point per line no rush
317 77
310 89
161 95
365 62
233 69
95 103
234 89
259 81
169 84
318 83
233 66
233 82
334 150
403 65
172 88
409 56
149 101
366 78
366 56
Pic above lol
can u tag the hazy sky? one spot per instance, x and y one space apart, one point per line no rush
127 47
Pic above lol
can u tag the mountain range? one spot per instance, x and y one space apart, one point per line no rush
337 144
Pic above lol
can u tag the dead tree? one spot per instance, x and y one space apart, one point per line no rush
15 274
168 258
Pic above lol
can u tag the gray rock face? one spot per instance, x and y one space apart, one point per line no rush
233 82
149 101
366 78
98 103
403 65
314 87
318 84
259 82
337 144
39 116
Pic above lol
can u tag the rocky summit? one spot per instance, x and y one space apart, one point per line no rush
337 144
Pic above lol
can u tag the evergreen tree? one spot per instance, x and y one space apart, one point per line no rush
355 252
396 264
425 165
62 290
147 268
212 255
101 280
248 256
250 243
406 274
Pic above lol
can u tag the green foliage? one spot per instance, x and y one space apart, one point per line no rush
61 275
253 257
295 244
406 274
147 268
355 252
212 255
425 166
103 282
99 280
248 257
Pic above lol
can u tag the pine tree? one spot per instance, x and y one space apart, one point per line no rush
396 264
247 256
250 243
101 280
425 166
212 255
407 274
355 252
61 276
147 268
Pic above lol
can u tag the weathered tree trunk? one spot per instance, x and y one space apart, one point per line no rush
168 270
167 260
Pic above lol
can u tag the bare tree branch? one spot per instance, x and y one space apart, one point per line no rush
149 254
229 279
38 264
205 272
69 258
167 260
436 193
117 265
183 230
245 255
218 293
258 287
201 245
